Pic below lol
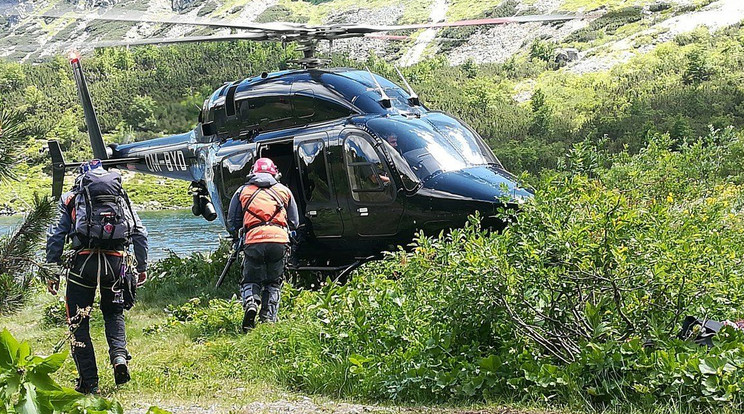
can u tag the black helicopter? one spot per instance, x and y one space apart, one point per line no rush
368 163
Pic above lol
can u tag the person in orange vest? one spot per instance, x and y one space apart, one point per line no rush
267 212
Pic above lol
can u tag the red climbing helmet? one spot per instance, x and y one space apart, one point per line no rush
264 165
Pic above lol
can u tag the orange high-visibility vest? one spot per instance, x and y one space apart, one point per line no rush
265 213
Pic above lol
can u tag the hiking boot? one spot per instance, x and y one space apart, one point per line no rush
249 317
84 388
121 370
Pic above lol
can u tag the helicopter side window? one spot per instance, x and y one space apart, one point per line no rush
314 174
368 175
266 113
309 108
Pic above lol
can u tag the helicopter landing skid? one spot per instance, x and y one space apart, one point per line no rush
337 274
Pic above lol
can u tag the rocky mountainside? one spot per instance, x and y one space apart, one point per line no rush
612 30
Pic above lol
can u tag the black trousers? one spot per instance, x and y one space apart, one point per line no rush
263 271
88 272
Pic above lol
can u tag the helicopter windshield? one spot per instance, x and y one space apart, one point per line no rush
434 143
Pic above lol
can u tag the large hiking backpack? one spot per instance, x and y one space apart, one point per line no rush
103 214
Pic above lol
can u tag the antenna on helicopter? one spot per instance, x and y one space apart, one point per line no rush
91 120
385 101
413 99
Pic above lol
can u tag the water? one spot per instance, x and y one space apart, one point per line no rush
178 231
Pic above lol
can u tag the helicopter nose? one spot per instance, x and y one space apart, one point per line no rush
488 184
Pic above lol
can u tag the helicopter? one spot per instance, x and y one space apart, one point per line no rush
368 163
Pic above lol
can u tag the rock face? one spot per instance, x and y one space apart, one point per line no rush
28 39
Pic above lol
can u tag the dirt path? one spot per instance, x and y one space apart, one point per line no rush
306 405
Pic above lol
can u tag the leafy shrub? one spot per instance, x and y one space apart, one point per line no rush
578 301
26 387
607 24
543 50
55 314
177 279
18 266
218 317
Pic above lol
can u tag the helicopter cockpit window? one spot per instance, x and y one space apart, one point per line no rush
368 175
436 143
407 175
314 174
466 141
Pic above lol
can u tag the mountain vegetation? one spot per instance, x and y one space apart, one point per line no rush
529 111
637 222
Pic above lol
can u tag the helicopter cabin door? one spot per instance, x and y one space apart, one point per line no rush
374 209
317 199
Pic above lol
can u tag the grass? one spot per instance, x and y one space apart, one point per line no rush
169 368
142 189
586 5
465 9
173 370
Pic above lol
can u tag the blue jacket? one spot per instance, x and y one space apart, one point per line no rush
235 211
64 227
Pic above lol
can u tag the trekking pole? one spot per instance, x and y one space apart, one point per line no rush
233 257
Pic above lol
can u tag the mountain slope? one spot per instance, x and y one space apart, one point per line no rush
617 28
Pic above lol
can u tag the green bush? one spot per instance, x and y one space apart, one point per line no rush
175 279
26 387
218 317
55 314
577 302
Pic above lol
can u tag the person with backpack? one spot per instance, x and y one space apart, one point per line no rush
99 221
262 212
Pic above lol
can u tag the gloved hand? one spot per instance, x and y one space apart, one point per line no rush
141 279
53 286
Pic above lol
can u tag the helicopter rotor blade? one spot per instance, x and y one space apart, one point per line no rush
556 18
283 30
132 17
174 40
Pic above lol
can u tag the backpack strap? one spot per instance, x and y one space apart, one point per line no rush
246 207
88 209
279 204
125 196
279 207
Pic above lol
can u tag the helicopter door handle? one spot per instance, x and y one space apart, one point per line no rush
312 213
363 212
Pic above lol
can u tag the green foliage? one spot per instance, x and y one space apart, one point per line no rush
26 386
140 114
55 314
577 302
176 279
218 317
542 50
12 134
279 13
698 69
18 264
606 25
